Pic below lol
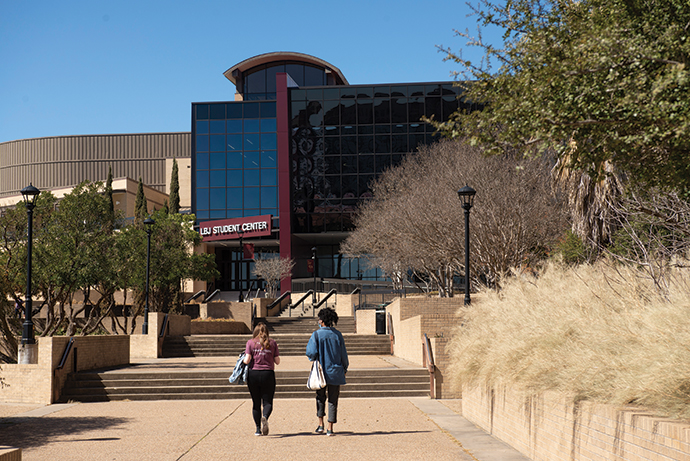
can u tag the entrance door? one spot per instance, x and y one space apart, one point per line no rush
235 272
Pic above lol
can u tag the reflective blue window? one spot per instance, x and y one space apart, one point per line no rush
269 141
202 127
268 109
251 159
251 141
271 211
217 178
234 159
251 197
234 213
202 111
234 177
269 197
202 214
217 214
252 125
268 125
217 111
251 177
217 143
234 142
268 159
269 177
202 199
202 161
252 109
202 178
251 212
202 143
218 160
217 198
234 195
234 126
217 126
234 110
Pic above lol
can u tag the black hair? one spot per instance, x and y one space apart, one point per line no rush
328 316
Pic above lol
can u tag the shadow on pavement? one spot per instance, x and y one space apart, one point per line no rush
26 432
349 434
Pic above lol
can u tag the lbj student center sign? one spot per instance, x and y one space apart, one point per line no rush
228 229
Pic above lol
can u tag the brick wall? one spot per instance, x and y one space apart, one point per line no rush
40 384
365 322
413 317
10 454
241 312
550 427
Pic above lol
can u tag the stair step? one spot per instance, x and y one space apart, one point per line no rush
189 385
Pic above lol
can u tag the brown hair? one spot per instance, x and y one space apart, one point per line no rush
260 335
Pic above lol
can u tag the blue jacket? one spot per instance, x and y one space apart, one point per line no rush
328 346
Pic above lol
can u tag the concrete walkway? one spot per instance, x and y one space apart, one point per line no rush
186 430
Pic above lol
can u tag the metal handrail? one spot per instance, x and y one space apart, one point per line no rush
212 295
325 298
164 327
196 295
429 360
301 301
279 300
65 354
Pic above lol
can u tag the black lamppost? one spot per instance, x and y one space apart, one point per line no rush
241 266
466 195
149 228
30 195
313 266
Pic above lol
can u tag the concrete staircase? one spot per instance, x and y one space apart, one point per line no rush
292 335
191 385
289 344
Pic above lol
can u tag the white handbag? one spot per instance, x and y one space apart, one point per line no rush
316 379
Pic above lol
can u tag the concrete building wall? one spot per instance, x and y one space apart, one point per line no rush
65 161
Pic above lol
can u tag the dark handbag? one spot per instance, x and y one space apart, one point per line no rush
239 373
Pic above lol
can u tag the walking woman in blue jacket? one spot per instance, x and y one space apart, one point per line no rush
328 347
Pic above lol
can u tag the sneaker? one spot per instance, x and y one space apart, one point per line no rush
319 430
329 433
264 425
258 431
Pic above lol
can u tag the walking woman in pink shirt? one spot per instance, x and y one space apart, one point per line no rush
262 352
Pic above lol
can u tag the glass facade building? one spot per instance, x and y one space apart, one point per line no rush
302 145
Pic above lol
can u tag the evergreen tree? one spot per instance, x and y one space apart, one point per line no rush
174 206
140 208
109 192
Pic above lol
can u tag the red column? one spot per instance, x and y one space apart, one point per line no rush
284 196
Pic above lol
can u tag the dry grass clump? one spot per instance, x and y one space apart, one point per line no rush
596 332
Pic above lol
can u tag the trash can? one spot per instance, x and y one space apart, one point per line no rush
380 321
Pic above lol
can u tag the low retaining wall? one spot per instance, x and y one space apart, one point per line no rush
411 319
200 327
10 454
550 427
240 312
41 383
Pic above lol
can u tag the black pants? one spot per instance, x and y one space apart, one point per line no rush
333 395
262 387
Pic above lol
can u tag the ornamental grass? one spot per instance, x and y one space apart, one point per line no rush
595 332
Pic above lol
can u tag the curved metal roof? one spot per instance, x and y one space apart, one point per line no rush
266 58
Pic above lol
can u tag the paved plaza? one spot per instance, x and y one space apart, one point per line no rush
368 428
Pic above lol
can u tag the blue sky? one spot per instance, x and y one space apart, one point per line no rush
100 67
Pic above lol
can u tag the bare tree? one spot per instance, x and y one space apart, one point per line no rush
273 270
414 223
653 233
